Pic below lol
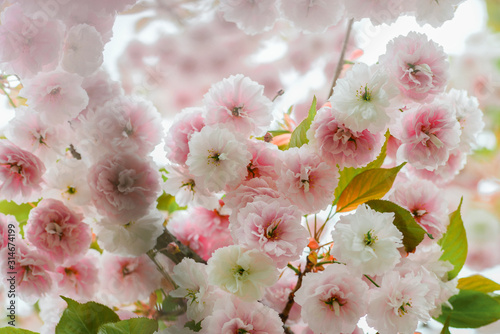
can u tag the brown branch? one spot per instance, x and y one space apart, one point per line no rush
170 246
291 297
340 63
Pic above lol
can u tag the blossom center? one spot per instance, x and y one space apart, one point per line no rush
54 228
364 94
403 309
71 190
334 303
216 157
126 181
236 111
189 184
240 273
272 230
55 91
369 238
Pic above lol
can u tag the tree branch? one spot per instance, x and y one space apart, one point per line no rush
340 63
170 246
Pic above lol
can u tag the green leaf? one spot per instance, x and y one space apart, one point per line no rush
166 202
84 318
471 309
194 326
348 173
454 243
130 326
493 9
478 283
13 330
412 232
369 184
299 137
20 211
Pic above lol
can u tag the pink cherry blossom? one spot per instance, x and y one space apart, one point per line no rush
468 114
217 158
264 156
32 272
100 89
313 16
20 173
338 144
425 202
31 133
273 227
186 190
202 235
417 65
125 124
57 95
80 281
128 279
333 300
428 134
443 174
251 16
58 231
123 186
186 123
398 304
378 11
238 103
434 12
306 180
82 50
26 46
232 315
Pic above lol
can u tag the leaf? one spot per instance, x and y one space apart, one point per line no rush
412 232
478 283
471 309
299 136
194 326
84 318
454 243
12 330
348 173
369 184
20 211
130 326
166 202
493 9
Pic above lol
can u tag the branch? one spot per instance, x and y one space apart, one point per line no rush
286 311
340 63
170 246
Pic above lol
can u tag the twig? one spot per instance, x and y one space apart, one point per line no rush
340 63
175 250
152 256
6 94
286 311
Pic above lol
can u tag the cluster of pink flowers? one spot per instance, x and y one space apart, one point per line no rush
80 153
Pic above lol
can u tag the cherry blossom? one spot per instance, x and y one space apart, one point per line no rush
251 16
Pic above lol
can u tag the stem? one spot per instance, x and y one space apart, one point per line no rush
340 63
286 311
152 256
278 94
371 280
5 92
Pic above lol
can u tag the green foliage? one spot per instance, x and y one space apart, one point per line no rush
471 309
20 211
166 202
299 137
194 326
446 326
368 185
454 243
84 318
130 326
348 173
478 283
13 330
493 8
412 232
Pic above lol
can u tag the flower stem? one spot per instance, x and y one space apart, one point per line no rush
371 280
340 63
6 94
